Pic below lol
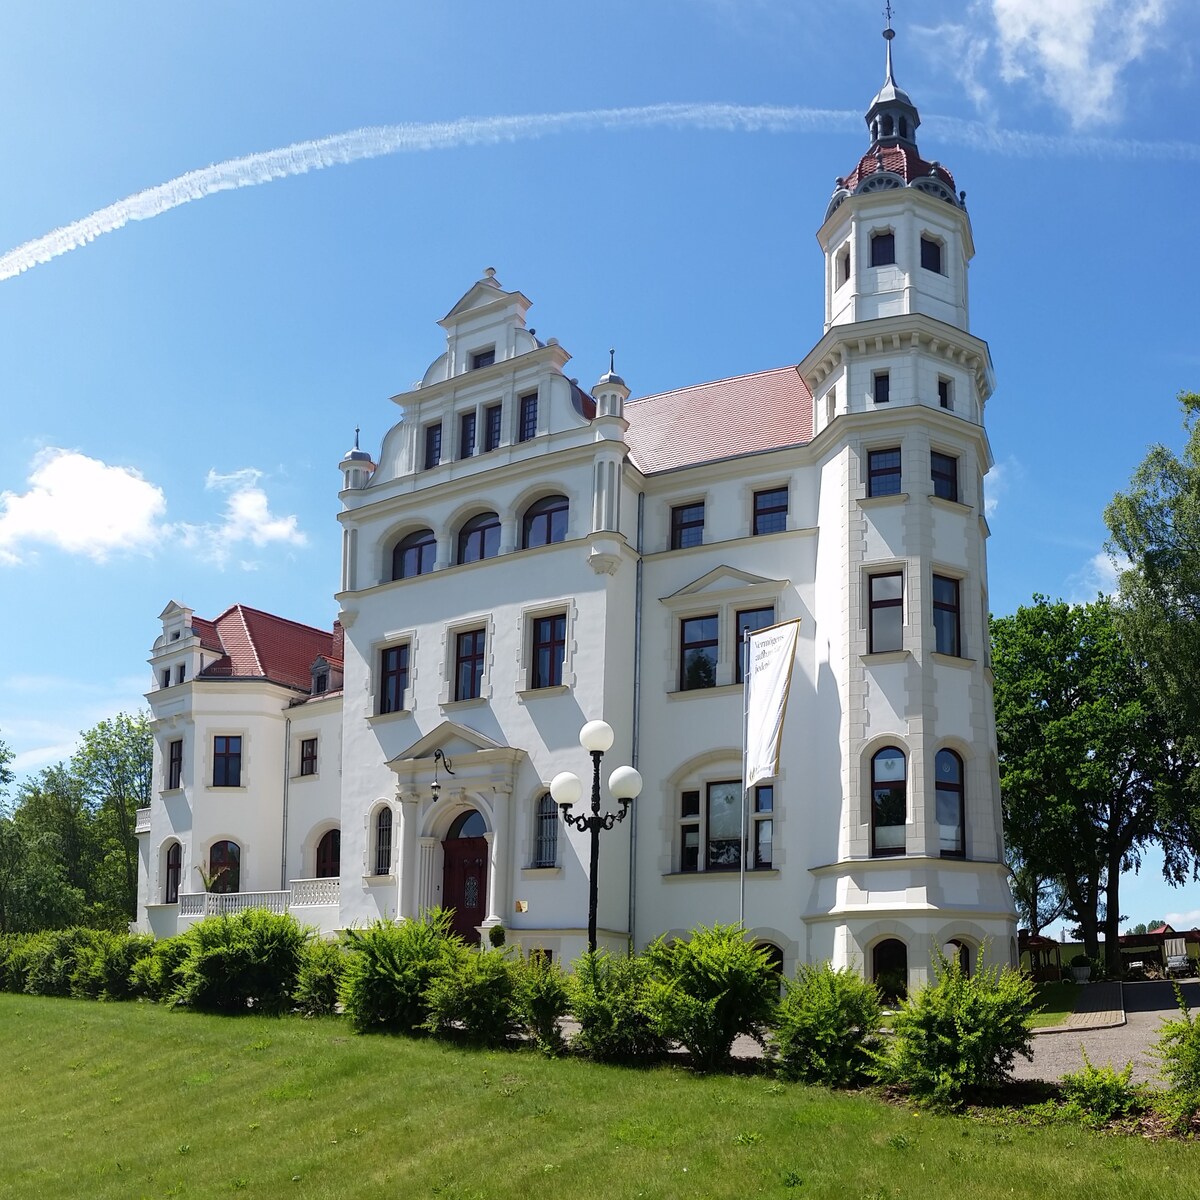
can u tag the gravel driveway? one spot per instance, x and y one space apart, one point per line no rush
1146 1006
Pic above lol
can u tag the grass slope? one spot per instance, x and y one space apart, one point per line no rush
107 1100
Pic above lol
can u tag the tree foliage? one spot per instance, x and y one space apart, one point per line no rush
1087 778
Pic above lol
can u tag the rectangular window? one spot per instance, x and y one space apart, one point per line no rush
227 761
943 470
469 649
687 525
763 831
549 648
946 624
166 677
528 417
483 358
750 619
724 826
843 266
945 396
883 472
433 445
466 435
771 510
180 673
320 683
689 831
174 764
492 417
883 249
931 255
308 756
886 630
698 653
393 678
883 387
545 849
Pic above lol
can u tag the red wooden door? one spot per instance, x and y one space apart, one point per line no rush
464 884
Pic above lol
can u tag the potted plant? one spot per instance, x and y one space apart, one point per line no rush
1081 968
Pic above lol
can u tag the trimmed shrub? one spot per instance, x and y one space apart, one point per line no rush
960 1033
473 993
1097 1095
827 1027
390 967
16 949
607 997
1178 1048
104 967
53 957
156 973
542 999
322 965
234 962
708 990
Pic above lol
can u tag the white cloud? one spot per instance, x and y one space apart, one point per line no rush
964 50
1075 50
995 483
1183 920
247 519
83 506
1099 576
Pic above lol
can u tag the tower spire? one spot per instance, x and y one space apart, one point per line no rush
892 117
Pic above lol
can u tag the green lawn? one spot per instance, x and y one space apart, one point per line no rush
1058 1002
108 1100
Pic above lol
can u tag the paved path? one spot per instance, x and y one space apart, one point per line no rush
1095 1028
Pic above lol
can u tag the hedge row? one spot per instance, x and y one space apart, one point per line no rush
416 977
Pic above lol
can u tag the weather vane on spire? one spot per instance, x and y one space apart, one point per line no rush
889 32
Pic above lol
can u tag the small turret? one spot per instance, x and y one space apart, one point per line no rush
356 466
610 391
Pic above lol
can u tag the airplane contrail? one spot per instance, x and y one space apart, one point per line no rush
378 140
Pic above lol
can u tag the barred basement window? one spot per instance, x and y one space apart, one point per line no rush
546 843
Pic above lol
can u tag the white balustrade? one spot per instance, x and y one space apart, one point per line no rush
211 904
141 821
191 904
308 892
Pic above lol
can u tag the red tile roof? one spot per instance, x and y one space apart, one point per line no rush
257 645
709 421
900 160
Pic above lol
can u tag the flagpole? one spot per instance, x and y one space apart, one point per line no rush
745 653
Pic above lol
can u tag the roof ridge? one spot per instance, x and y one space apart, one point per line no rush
692 387
241 612
262 612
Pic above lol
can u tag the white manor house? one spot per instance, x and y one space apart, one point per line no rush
524 556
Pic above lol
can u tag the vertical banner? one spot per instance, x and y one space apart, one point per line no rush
768 679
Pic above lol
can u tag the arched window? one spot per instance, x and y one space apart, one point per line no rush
225 868
958 950
887 126
329 855
774 957
949 795
545 852
469 824
479 538
889 968
174 869
383 841
414 554
888 801
544 522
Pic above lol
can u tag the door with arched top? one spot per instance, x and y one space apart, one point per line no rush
464 874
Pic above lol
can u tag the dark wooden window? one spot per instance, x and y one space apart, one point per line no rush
947 629
689 831
889 798
883 472
943 470
393 678
225 868
549 648
883 249
949 800
383 842
723 826
750 619
227 761
433 445
414 554
698 652
174 764
770 511
886 630
166 677
883 387
687 525
493 417
483 358
466 435
320 683
545 522
308 756
181 672
174 870
329 855
479 538
469 648
945 396
931 255
545 851
763 827
529 415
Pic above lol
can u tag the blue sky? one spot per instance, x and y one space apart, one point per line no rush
175 394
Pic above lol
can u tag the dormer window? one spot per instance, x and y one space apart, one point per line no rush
931 255
483 358
883 248
320 682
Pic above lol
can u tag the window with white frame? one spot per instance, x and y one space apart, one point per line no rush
393 678
548 647
885 629
709 834
545 839
883 248
381 841
948 768
308 756
947 626
889 801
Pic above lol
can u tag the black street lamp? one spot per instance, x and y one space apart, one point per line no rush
624 784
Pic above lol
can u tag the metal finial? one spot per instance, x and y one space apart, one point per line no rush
612 370
887 12
356 437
